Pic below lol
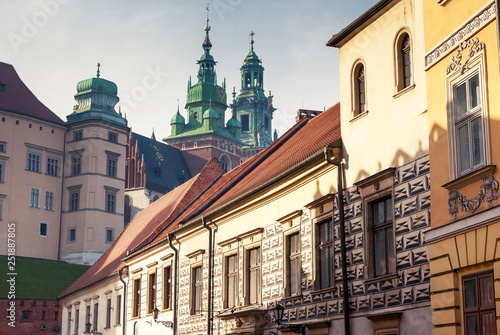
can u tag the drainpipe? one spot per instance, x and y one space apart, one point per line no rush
497 3
335 149
176 273
210 276
124 308
62 193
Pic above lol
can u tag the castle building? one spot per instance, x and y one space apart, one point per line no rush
205 133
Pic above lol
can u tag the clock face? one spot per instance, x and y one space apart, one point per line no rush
160 156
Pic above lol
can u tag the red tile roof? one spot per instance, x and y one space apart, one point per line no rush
146 224
17 97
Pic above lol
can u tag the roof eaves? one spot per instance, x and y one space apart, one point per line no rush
336 40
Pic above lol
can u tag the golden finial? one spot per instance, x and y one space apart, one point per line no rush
98 71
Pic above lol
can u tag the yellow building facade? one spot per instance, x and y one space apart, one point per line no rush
462 71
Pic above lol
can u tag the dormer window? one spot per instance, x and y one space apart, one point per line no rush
2 86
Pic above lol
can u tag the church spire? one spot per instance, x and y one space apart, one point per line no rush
206 72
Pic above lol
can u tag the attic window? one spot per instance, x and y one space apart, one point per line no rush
2 86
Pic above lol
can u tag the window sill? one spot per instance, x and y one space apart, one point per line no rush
470 178
118 325
403 91
380 278
359 116
324 290
293 298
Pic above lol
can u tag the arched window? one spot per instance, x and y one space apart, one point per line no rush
225 162
359 89
403 61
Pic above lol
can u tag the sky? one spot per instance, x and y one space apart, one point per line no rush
149 49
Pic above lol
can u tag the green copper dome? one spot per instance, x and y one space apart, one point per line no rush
96 85
210 113
233 123
178 118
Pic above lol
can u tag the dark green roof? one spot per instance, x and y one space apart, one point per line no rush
96 85
40 278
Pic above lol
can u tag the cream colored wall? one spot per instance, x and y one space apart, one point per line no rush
92 220
18 182
99 292
152 261
394 131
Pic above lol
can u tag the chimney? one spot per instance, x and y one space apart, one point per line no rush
302 113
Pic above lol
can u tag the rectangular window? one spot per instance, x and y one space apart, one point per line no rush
44 229
87 316
1 172
112 137
151 292
110 201
232 281
325 254
108 313
136 296
71 234
294 272
35 197
33 163
69 322
77 135
267 124
253 275
49 201
245 123
167 287
96 316
469 133
74 200
110 235
77 320
111 170
52 166
118 309
1 208
76 165
196 290
479 304
3 145
384 260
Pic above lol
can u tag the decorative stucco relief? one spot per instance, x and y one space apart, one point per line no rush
461 34
487 192
474 46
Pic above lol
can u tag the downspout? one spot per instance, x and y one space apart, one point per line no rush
124 308
498 28
210 275
335 149
62 193
176 273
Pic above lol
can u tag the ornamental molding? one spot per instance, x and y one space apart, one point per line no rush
487 192
476 22
456 65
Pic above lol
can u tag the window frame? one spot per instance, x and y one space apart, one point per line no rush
52 166
77 135
34 197
108 313
249 269
70 240
227 275
33 160
388 224
112 231
110 206
76 164
475 65
74 200
152 290
478 310
46 223
136 297
318 246
49 201
167 287
112 137
118 309
111 165
297 255
247 122
196 301
355 89
399 62
96 316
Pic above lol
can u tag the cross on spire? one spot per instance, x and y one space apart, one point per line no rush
207 27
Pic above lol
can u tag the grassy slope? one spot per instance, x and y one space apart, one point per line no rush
39 278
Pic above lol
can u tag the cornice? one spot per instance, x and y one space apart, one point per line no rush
480 19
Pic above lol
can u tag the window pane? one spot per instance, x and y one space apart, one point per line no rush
294 276
390 251
378 213
477 141
463 143
471 324
230 291
380 256
470 293
474 92
461 93
388 210
488 323
486 292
